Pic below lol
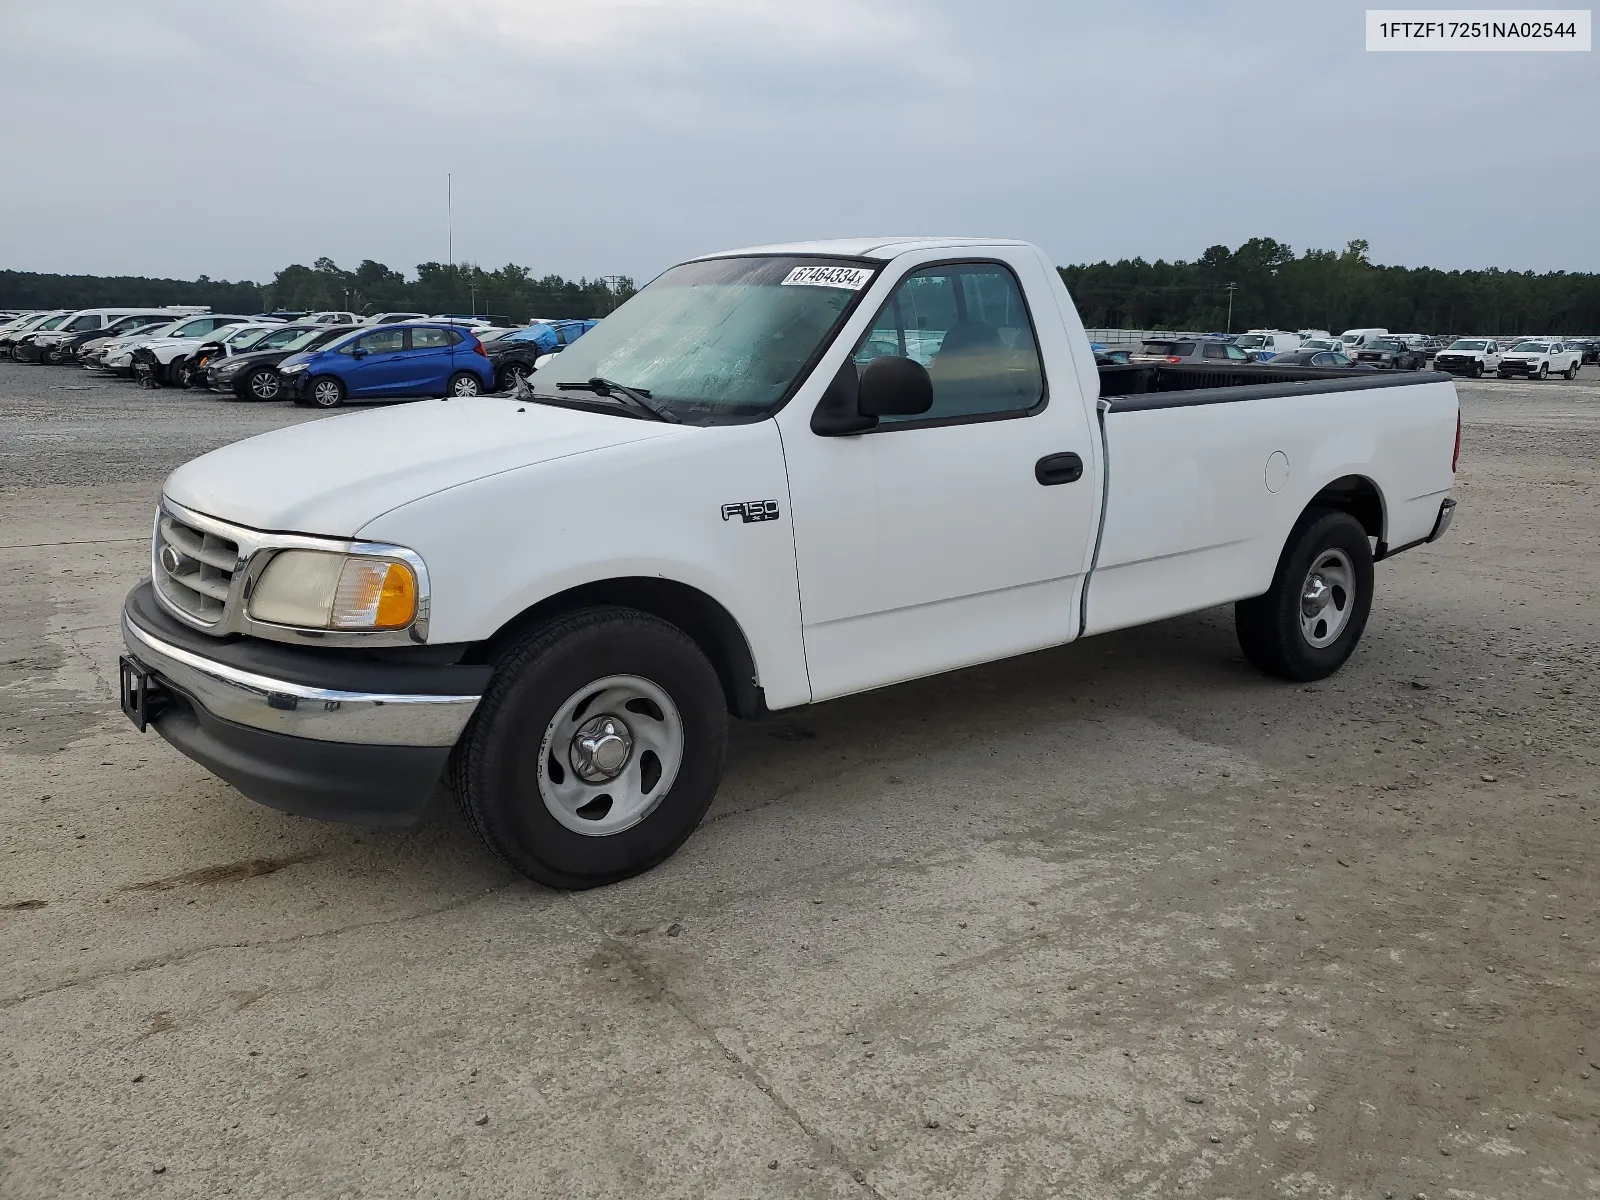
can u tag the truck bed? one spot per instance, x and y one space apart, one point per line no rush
1207 469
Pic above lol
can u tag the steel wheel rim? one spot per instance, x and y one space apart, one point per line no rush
465 387
326 394
264 385
1327 598
583 736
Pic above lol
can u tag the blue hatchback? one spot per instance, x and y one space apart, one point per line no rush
389 361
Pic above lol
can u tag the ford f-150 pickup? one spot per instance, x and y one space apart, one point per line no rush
773 477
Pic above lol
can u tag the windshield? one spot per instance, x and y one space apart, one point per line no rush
281 338
1319 344
1249 341
730 334
240 336
156 331
54 321
304 339
130 323
1469 344
1531 347
1384 344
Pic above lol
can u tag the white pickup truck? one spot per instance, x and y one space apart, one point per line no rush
1540 359
773 477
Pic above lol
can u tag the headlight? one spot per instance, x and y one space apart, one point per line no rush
315 589
293 368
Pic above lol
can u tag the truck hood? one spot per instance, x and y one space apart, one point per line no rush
333 476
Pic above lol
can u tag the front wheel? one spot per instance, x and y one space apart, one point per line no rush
1543 372
596 749
465 383
178 373
1308 623
327 392
1477 370
263 383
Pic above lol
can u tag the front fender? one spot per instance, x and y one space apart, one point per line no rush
669 508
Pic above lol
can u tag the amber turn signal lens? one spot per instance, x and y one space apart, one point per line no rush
375 594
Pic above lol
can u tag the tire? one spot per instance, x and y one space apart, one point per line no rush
1277 633
47 356
263 383
1571 372
464 383
325 391
506 377
1477 370
178 373
521 791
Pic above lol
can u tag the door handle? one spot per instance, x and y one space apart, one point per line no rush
1058 468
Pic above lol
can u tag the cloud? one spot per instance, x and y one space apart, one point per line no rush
617 136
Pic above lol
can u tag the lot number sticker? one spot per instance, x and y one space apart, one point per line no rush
838 277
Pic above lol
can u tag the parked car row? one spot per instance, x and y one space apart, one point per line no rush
317 359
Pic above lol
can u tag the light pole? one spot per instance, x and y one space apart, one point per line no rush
1232 287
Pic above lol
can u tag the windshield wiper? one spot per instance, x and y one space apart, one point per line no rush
639 398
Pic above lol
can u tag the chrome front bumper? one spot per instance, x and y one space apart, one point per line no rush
297 710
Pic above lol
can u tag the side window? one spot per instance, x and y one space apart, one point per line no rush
430 339
1235 354
967 323
1216 350
385 341
83 323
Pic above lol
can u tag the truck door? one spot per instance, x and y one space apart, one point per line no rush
960 535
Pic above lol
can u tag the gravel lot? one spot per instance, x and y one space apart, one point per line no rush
1120 919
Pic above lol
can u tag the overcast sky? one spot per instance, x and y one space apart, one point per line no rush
594 137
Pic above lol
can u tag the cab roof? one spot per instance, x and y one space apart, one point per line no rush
883 248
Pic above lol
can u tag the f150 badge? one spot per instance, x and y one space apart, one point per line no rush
751 510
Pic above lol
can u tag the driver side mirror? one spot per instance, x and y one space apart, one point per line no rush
894 387
358 352
858 396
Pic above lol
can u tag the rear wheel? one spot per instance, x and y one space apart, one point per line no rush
465 383
596 749
506 378
263 383
1308 623
1572 371
327 392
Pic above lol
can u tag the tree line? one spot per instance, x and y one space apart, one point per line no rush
1272 287
1267 283
372 287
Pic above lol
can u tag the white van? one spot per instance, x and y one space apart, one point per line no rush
1262 344
1355 339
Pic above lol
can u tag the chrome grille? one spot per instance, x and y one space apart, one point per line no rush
194 569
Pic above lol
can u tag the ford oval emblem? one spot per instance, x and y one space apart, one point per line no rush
171 560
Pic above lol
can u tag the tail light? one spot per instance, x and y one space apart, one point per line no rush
1174 358
477 348
1455 458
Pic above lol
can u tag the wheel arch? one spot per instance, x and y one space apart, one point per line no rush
711 626
1361 498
